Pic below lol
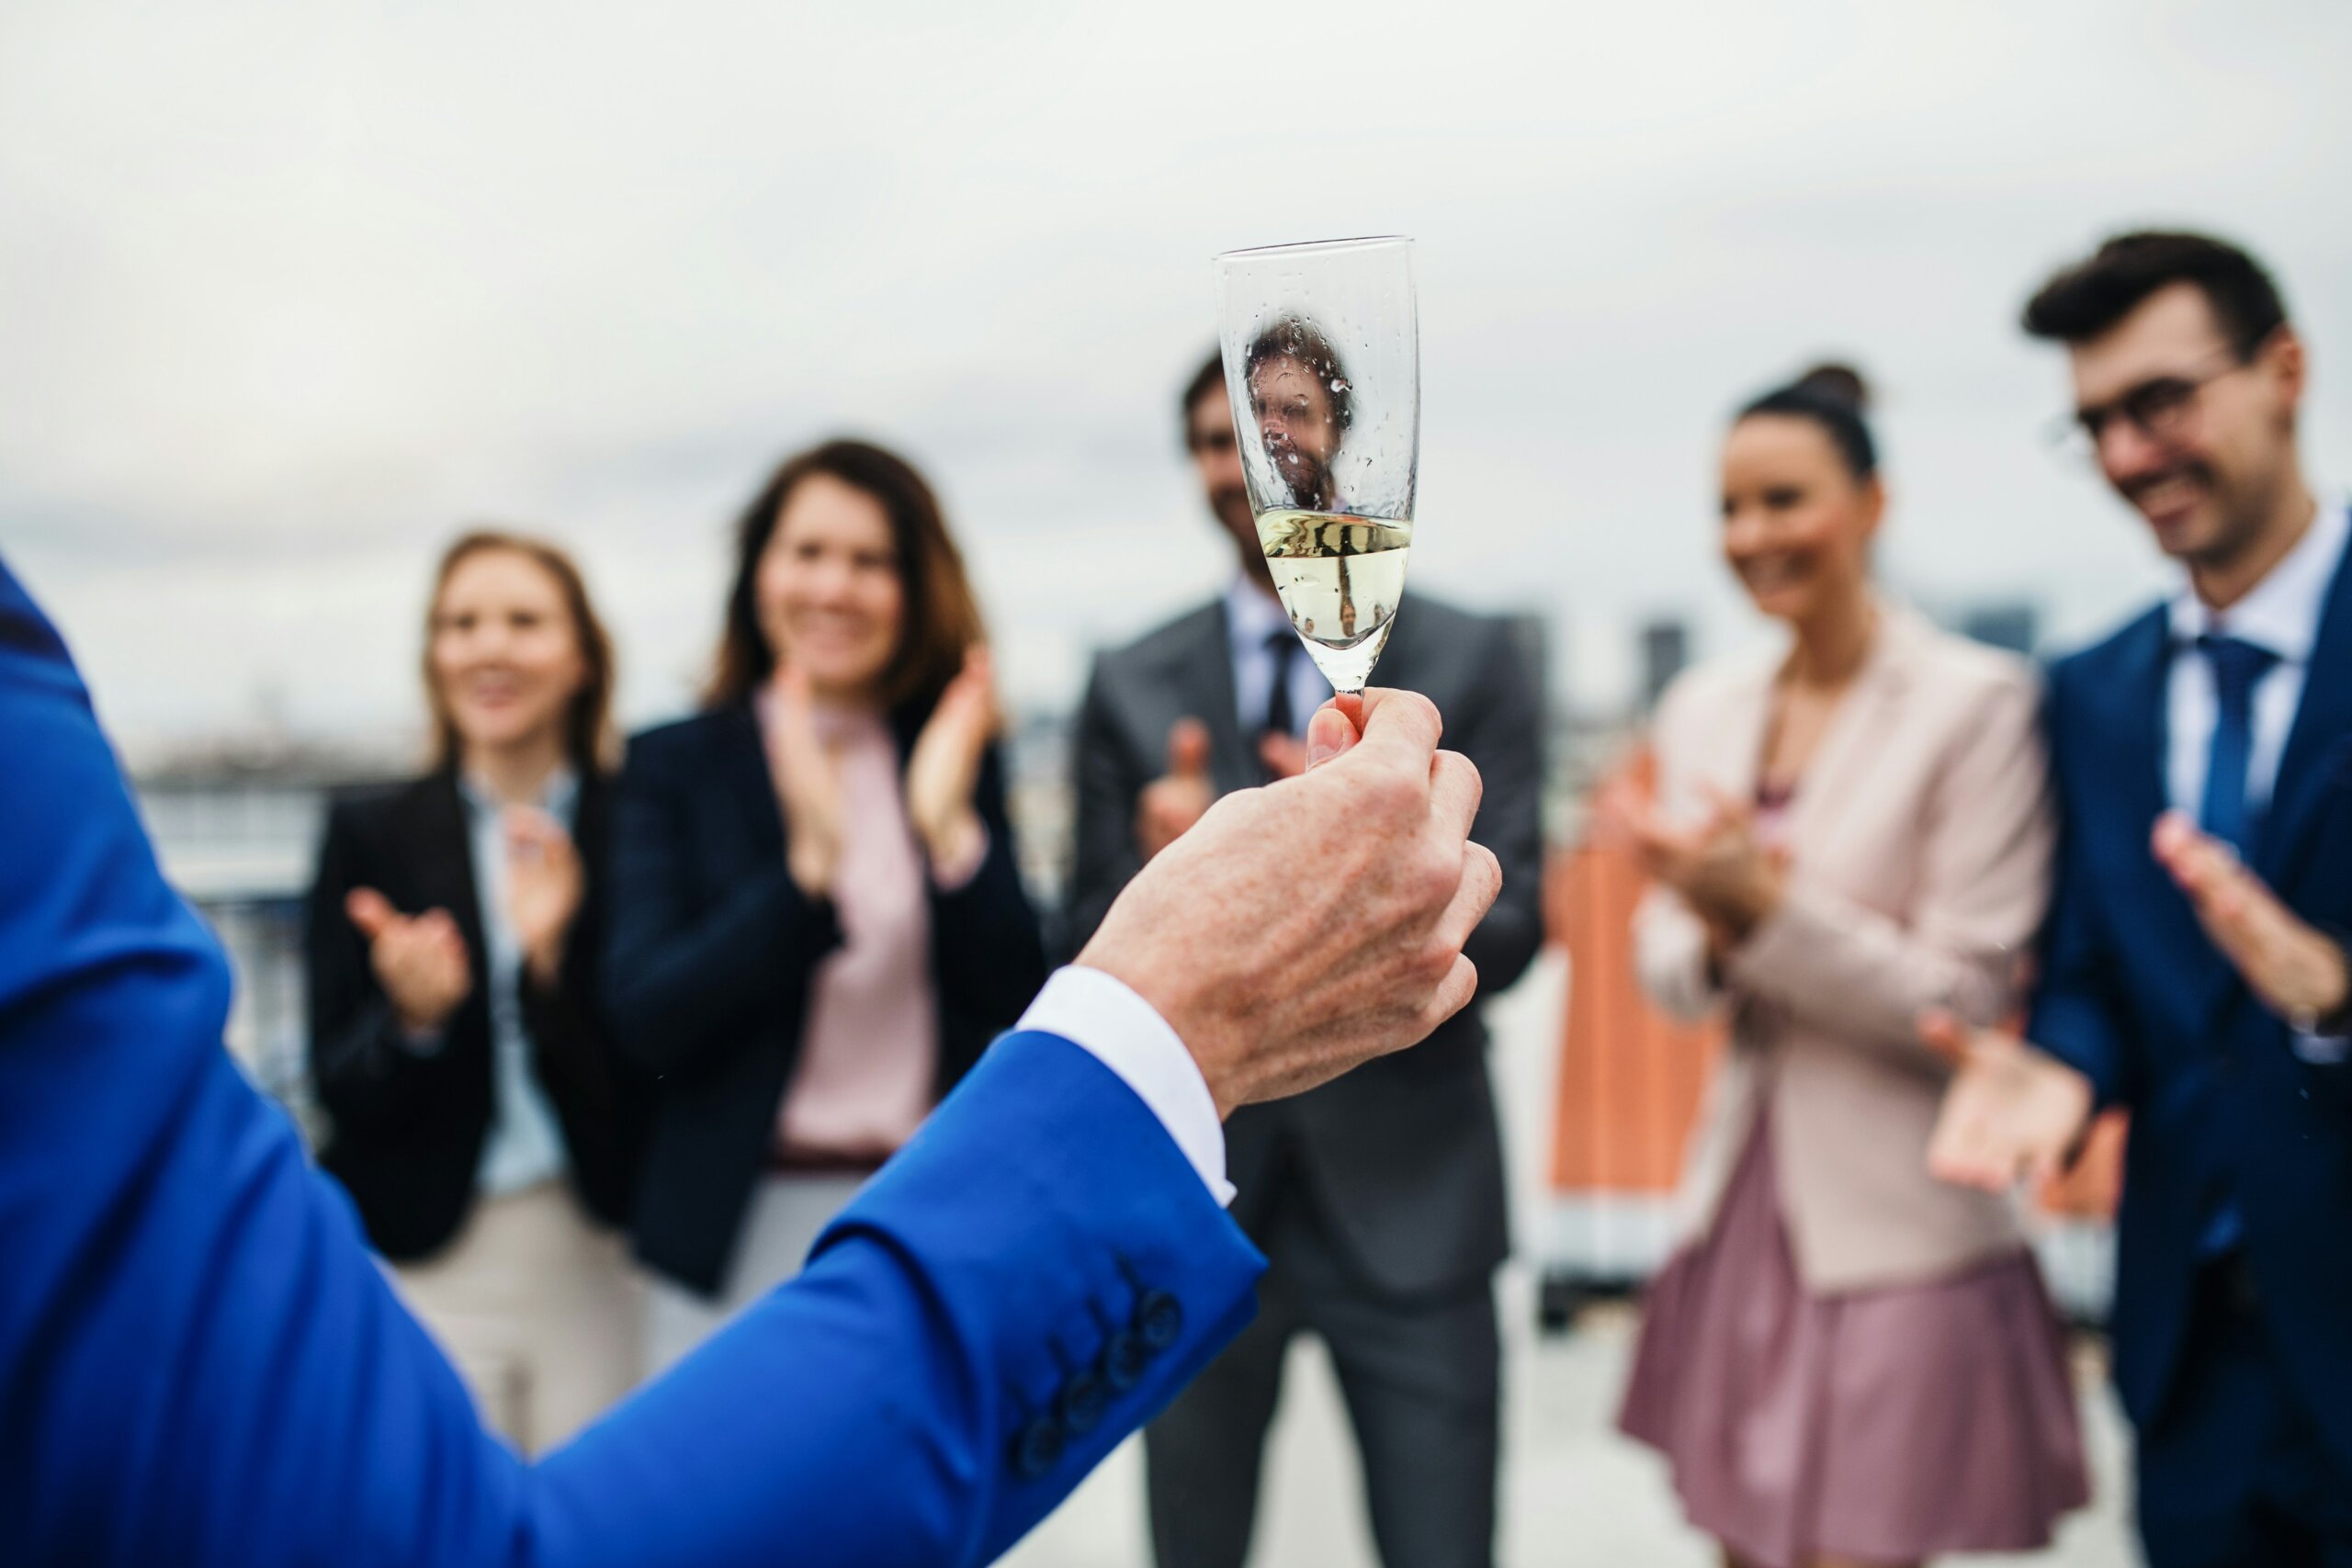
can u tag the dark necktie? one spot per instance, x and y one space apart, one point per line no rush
1280 719
2238 667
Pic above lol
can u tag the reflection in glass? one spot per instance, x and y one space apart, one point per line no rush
1330 441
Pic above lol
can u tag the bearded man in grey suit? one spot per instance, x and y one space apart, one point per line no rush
1377 1200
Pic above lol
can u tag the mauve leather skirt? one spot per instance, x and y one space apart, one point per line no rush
1886 1426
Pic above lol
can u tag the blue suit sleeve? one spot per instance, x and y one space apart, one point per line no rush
199 1363
1033 1277
2077 1015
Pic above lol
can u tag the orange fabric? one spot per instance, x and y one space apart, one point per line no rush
1630 1077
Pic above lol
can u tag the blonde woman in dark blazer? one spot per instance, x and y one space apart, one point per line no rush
1848 1361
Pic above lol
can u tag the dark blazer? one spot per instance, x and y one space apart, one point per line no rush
2135 995
407 1126
712 950
1404 1152
200 1365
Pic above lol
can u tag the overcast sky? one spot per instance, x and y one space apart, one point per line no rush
289 291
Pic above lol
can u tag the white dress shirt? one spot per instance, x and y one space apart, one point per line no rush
525 1146
2281 615
1251 619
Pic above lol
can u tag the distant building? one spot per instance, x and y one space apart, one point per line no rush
2011 624
236 827
1665 652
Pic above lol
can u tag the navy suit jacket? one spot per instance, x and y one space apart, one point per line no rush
712 950
2135 995
201 1363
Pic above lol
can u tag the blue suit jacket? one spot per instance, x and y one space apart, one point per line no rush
201 1363
2134 994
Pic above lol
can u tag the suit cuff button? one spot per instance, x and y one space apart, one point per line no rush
1083 1402
1123 1361
1037 1449
1160 1319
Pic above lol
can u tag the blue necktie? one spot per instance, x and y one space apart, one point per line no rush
1281 718
2238 668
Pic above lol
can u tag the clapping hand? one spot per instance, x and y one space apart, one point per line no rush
420 959
544 882
1171 803
1727 875
944 765
1283 755
808 785
2297 971
2012 1112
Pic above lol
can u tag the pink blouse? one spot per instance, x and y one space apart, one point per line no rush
869 1048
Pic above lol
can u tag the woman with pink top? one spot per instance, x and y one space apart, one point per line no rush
818 925
1848 1361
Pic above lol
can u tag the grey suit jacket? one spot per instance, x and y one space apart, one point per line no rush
1403 1154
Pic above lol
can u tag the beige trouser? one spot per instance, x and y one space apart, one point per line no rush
789 1212
540 1309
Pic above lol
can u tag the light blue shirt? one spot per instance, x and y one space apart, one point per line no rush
1251 619
525 1142
2280 614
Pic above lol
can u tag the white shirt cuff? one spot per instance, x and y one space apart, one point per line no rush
1127 1035
2323 1050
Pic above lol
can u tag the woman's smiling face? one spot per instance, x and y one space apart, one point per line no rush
831 600
1796 521
506 655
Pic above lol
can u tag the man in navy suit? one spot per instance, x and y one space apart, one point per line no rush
2194 967
199 1363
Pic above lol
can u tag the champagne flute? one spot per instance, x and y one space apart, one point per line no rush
1322 361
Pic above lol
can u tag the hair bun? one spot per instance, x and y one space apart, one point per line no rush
1838 381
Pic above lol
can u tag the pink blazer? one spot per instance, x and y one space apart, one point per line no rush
1921 839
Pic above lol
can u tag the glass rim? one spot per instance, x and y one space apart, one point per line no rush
1315 247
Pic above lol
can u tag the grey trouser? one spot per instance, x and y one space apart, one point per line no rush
1421 1382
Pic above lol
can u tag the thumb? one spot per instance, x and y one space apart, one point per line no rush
2173 832
370 912
1942 1034
1188 749
1727 809
1329 734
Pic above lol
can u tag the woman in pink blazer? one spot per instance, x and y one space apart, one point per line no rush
1848 1361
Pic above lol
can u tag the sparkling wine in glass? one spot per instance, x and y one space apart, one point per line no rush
1322 361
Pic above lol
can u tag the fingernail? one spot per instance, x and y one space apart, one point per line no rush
1319 751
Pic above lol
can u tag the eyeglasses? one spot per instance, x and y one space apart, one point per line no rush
2159 407
1211 441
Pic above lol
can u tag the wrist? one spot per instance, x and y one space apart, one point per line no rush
1191 1024
2327 1006
811 860
957 851
813 875
543 964
947 838
420 1024
1752 905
